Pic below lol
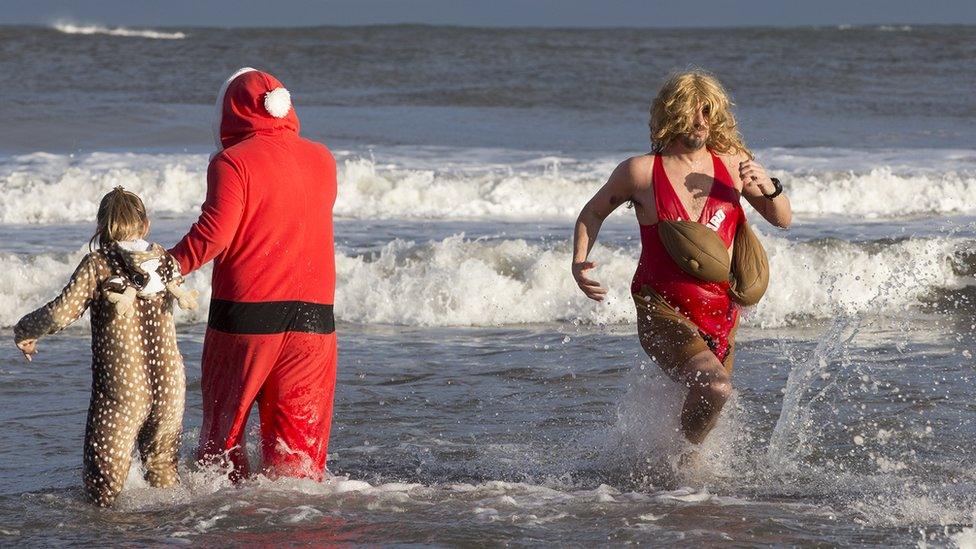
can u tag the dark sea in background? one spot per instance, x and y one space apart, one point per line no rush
482 399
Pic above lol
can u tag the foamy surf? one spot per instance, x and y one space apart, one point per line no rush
44 188
965 539
496 282
75 28
291 503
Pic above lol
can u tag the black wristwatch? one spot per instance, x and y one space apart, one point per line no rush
776 185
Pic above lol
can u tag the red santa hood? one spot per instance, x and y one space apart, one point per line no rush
251 102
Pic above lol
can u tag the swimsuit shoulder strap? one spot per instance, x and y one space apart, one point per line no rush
669 207
723 189
722 174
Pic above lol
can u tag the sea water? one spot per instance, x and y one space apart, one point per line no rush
481 398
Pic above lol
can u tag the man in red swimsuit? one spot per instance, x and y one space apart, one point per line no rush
697 170
267 224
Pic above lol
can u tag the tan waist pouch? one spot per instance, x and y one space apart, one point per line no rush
750 267
700 252
697 249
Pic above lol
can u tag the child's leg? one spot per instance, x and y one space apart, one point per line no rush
119 405
159 439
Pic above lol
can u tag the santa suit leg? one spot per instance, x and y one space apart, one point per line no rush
296 406
267 225
234 368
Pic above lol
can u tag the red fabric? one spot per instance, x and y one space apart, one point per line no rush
244 113
267 224
267 218
292 377
706 304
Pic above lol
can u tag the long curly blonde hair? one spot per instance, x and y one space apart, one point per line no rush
673 113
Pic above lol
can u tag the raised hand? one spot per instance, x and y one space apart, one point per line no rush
755 181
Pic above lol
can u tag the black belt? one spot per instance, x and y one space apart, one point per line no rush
270 317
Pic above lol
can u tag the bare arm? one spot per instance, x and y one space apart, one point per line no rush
755 184
617 190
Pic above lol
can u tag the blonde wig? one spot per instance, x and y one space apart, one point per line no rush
673 113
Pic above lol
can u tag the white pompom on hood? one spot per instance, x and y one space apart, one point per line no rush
251 102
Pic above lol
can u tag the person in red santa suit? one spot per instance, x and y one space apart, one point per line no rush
267 225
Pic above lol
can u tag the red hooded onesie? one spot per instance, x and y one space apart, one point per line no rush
267 224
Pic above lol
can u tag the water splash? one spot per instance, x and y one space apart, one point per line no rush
789 441
966 539
648 428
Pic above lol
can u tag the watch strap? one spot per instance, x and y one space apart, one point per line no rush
778 189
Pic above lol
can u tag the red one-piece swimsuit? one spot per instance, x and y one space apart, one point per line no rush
706 304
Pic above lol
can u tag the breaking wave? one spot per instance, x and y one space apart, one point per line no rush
73 28
49 188
480 282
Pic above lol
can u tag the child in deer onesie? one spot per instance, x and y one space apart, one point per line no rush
267 224
129 286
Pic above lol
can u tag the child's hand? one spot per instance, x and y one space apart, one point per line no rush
28 347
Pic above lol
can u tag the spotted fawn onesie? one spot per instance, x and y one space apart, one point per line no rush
138 380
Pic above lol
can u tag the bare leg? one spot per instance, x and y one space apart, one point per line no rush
709 386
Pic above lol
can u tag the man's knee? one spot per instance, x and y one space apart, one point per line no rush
719 388
706 375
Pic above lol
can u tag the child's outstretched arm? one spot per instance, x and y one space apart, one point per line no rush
60 312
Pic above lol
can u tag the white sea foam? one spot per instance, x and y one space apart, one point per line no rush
75 28
215 500
464 282
966 539
880 28
49 188
907 505
824 279
895 28
881 192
